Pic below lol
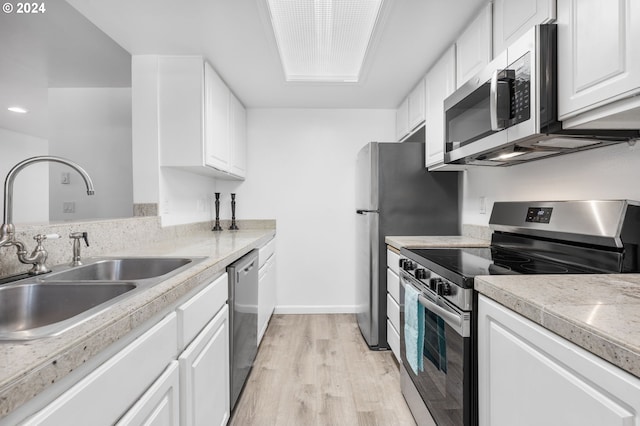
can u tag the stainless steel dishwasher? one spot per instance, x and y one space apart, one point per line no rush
243 320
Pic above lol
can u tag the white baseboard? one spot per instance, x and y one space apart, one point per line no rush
313 309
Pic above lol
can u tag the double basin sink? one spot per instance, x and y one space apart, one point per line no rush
55 302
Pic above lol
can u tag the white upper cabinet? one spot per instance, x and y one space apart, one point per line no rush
402 119
599 63
411 112
512 18
473 47
416 106
216 115
440 83
202 126
237 137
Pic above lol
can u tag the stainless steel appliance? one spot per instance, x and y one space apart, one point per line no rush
243 320
395 195
571 237
507 113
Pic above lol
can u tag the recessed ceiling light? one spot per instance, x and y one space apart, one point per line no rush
323 40
18 110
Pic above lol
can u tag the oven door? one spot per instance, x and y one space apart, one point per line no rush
445 383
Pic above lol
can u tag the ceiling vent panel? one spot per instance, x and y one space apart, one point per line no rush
323 40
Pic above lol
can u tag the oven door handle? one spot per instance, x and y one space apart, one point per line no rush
459 322
455 321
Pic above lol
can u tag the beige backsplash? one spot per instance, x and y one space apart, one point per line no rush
106 237
476 231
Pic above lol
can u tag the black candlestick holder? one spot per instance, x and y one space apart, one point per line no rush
233 226
217 226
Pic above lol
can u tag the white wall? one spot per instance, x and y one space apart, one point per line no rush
604 173
30 203
301 172
92 127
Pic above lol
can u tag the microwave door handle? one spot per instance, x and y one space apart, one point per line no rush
493 102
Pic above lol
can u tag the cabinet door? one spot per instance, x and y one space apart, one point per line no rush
513 18
440 83
528 375
204 375
180 96
473 47
104 396
598 53
159 406
266 295
416 106
402 119
216 120
237 136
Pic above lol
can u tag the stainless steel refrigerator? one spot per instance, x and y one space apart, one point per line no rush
395 195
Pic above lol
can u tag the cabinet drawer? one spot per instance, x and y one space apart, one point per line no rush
393 337
393 285
393 312
103 396
194 314
266 251
159 405
393 261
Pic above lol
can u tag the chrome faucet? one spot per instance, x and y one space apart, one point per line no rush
7 233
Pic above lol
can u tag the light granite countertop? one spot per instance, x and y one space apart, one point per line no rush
600 313
30 367
411 241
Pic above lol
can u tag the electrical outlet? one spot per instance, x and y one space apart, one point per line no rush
483 205
68 207
65 178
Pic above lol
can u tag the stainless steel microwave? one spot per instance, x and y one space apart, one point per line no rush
507 113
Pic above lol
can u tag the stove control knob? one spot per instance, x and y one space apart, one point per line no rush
408 265
444 288
401 263
421 274
434 283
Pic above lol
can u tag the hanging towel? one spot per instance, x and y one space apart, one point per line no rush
413 328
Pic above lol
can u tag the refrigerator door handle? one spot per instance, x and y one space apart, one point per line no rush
359 211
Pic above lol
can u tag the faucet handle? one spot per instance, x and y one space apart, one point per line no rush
78 235
41 237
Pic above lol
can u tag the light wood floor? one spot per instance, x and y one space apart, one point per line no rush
317 370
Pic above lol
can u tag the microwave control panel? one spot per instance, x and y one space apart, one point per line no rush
520 90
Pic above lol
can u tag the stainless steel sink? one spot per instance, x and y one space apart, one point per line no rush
30 310
49 304
126 269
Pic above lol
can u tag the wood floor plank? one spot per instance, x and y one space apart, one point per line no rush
316 370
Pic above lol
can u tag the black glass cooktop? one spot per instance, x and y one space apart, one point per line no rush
470 262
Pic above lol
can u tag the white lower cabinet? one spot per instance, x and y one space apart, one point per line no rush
267 286
393 302
150 381
528 375
204 375
160 405
106 394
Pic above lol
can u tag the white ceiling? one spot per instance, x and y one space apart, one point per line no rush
234 36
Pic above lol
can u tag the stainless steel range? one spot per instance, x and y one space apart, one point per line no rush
438 374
